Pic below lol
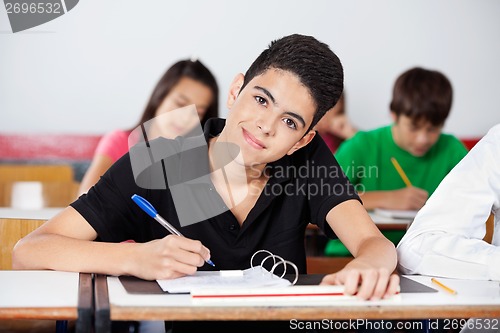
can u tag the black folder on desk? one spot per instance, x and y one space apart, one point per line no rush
134 285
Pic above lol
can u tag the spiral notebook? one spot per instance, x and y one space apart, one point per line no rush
255 284
257 276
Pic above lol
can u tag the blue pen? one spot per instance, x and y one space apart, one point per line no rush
151 211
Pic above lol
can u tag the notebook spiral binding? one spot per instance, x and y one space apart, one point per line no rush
277 260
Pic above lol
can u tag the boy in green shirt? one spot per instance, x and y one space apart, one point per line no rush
420 104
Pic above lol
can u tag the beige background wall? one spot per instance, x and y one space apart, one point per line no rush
92 69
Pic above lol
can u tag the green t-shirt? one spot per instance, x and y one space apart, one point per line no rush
366 160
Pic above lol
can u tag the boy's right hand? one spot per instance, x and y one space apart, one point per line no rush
168 258
408 198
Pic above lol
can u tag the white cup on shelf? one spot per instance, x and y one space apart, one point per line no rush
27 195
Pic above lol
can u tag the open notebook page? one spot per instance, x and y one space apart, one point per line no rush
250 278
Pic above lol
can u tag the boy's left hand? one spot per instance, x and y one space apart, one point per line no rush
366 283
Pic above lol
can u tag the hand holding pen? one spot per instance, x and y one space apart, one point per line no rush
151 211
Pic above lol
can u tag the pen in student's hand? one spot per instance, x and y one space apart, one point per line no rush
448 289
151 211
401 172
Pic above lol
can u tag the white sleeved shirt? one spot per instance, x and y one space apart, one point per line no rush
445 239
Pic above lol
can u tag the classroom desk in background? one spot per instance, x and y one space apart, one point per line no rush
47 295
474 299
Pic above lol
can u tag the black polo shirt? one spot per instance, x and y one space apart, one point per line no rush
302 189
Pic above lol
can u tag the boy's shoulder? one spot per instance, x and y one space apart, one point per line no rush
446 141
495 130
448 147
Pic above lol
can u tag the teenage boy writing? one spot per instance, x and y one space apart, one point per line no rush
273 108
421 102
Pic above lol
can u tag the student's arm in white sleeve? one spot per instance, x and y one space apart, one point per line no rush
446 237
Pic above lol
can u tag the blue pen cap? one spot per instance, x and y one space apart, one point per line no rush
145 205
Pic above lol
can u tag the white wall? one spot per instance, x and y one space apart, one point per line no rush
92 69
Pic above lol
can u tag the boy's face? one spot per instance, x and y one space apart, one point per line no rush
269 117
415 138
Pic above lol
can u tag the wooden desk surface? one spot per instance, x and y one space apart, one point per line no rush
302 313
473 300
47 295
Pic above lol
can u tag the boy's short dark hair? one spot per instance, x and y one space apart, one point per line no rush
422 94
317 67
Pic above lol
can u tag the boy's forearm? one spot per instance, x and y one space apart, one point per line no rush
56 252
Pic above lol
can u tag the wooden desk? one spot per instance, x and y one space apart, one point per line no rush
474 299
47 295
